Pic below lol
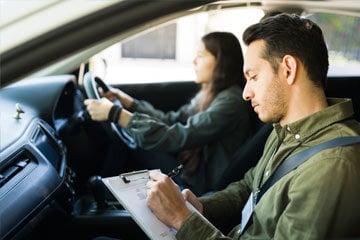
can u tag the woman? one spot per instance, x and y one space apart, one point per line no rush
204 134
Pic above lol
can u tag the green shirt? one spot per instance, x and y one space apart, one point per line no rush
219 131
318 200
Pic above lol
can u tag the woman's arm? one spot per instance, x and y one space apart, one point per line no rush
222 117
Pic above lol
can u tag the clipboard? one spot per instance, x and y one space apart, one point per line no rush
130 190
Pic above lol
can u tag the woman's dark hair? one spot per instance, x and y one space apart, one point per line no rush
293 35
228 71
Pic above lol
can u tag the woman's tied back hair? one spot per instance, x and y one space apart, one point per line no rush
228 71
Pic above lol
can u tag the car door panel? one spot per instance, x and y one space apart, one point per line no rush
165 96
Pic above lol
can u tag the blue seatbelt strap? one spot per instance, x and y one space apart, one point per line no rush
287 166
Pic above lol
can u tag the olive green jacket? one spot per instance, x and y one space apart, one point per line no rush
219 132
318 200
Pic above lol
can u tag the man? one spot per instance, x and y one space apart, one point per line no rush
286 67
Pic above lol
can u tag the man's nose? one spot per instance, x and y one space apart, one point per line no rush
247 93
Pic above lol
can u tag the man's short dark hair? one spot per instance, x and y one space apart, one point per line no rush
286 34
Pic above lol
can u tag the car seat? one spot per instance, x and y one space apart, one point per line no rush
245 158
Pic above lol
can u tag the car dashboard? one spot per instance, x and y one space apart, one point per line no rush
33 168
45 148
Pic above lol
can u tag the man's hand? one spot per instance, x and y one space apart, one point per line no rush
191 198
98 109
166 201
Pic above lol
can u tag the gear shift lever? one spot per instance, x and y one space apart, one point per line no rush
98 189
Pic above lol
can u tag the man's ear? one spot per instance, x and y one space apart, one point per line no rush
289 64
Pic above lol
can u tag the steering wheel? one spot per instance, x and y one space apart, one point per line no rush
91 85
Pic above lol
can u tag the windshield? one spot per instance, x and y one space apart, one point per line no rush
38 17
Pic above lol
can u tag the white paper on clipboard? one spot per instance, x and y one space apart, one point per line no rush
131 193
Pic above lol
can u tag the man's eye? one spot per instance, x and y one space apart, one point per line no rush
252 78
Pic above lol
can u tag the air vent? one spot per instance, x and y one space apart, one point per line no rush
10 171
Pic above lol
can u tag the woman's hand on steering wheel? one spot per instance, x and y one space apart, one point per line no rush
98 109
91 85
112 94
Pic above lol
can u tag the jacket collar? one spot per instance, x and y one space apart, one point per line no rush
338 110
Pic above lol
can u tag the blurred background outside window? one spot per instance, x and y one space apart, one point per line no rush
166 53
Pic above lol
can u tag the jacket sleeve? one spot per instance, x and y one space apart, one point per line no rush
225 112
196 227
169 118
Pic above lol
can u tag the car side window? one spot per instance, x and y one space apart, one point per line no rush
342 35
166 53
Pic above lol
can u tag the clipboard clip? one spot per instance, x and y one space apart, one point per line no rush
125 176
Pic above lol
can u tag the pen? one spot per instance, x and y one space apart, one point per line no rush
175 171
